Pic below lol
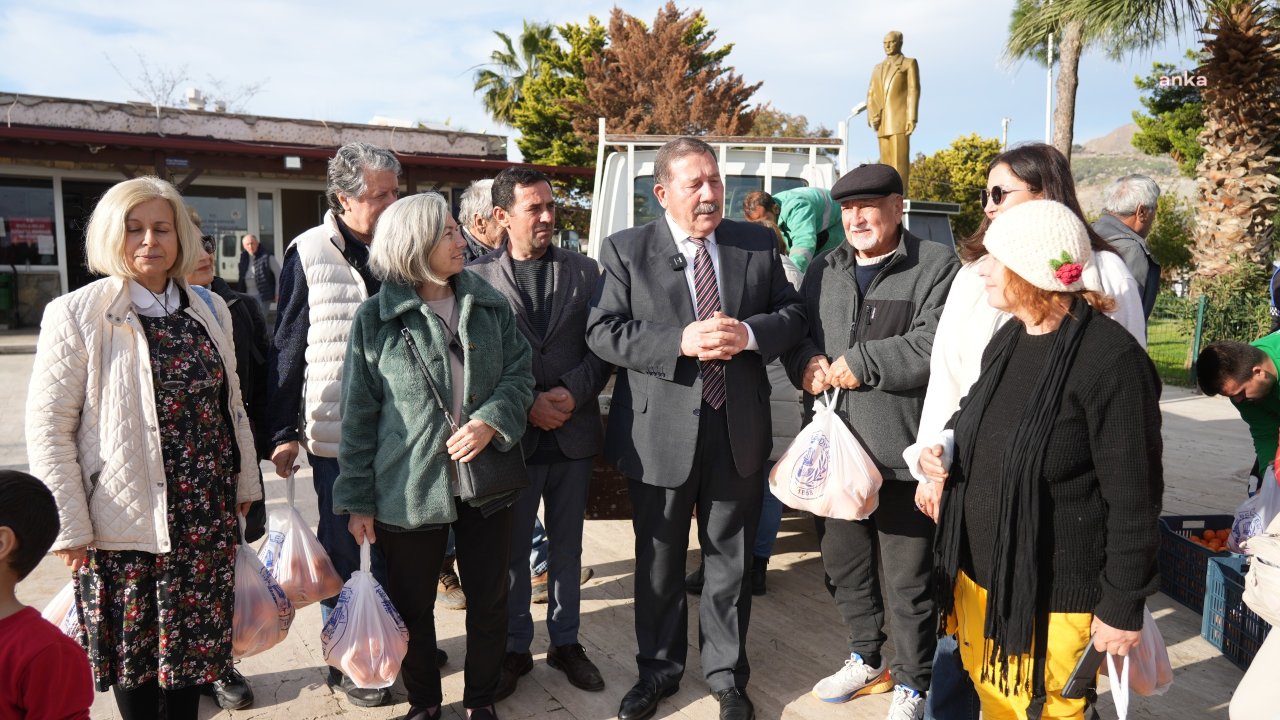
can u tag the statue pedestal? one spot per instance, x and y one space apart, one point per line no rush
930 220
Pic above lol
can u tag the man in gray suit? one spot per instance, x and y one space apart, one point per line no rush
691 307
548 288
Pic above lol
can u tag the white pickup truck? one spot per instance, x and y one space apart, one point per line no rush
623 193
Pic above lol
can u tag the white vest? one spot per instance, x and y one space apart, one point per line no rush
334 292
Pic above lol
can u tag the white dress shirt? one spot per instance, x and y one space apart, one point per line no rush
145 302
689 249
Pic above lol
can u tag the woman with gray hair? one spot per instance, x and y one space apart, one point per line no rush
398 479
134 421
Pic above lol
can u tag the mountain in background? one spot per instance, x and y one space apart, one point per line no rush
1101 160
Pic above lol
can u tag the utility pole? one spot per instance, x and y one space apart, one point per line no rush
1004 134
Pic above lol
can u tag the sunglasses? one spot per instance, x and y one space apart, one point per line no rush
206 241
997 194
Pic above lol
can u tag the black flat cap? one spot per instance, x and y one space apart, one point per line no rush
872 180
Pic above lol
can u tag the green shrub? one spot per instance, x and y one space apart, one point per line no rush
1239 303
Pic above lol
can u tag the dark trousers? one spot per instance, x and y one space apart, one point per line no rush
414 559
898 540
951 692
143 702
332 532
728 508
563 486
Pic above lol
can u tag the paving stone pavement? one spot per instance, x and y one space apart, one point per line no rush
1206 457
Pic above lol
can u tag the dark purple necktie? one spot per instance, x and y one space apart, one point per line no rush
708 293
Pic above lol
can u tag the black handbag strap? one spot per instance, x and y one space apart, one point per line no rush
422 365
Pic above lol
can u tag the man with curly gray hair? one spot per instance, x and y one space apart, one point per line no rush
1129 212
324 279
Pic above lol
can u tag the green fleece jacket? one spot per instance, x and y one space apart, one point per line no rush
392 458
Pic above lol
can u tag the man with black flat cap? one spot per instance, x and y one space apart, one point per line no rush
873 305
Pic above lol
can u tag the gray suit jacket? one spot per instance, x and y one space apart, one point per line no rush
562 358
1137 256
639 311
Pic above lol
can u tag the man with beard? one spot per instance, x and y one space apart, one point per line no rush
548 288
873 305
690 308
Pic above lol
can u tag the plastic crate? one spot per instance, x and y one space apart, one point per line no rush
1182 562
1228 624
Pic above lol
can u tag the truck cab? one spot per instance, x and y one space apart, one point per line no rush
623 195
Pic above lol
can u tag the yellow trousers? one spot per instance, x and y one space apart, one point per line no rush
1068 639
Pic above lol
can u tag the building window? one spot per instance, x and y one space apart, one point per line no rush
27 232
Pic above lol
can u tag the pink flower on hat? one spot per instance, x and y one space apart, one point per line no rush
1065 269
1068 273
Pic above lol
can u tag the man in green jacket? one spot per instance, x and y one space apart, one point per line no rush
808 218
1246 373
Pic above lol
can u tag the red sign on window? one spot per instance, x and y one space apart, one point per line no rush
26 230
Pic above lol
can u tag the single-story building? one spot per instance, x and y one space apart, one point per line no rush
244 174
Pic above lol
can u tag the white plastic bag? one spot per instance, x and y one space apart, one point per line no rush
1262 582
263 613
63 612
294 557
1119 685
825 470
365 637
1254 514
1150 673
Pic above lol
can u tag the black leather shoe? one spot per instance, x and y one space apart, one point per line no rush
421 713
572 661
759 566
693 581
358 696
734 705
641 701
231 691
513 666
442 658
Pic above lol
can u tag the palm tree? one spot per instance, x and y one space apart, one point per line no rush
502 88
1120 26
1236 178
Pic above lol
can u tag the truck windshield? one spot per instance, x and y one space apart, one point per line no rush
736 188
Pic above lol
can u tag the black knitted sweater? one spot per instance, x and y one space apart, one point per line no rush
1102 472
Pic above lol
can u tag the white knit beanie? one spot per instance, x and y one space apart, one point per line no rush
1046 244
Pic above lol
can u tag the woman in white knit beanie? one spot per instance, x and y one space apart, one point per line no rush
1047 529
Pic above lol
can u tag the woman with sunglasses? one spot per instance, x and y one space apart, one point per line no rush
1024 173
134 421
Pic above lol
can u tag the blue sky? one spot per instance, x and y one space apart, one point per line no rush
415 60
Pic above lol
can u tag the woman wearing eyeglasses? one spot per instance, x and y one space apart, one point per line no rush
135 422
1024 173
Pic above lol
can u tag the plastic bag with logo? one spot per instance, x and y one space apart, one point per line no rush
825 470
1262 582
365 637
294 557
1254 514
262 613
63 612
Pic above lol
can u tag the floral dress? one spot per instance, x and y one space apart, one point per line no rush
167 616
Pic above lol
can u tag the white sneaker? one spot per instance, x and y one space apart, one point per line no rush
856 678
907 704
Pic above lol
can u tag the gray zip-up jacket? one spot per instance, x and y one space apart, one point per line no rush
885 338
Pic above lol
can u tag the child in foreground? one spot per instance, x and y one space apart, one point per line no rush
43 673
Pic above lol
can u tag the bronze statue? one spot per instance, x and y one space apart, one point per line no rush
893 101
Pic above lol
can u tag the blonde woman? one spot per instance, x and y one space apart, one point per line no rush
134 421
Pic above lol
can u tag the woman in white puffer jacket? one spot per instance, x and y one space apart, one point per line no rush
135 422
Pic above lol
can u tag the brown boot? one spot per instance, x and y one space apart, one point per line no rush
449 593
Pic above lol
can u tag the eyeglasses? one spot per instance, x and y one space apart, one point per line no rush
997 194
206 241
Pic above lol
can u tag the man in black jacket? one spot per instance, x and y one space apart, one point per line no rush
873 305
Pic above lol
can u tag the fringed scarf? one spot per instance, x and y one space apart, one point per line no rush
1017 613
